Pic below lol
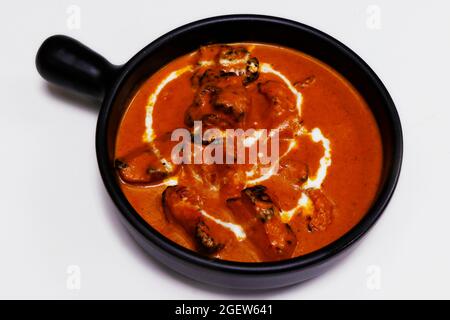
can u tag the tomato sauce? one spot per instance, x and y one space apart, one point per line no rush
216 209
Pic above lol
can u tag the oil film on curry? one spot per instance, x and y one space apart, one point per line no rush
249 152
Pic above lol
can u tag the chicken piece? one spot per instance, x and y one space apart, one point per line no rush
277 92
225 61
233 59
290 177
237 61
216 120
218 107
231 54
214 180
183 206
292 172
202 77
260 218
232 179
214 76
208 53
221 98
251 71
201 105
323 210
204 238
232 100
202 110
280 97
141 167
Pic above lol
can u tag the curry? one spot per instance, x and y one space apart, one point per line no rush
322 181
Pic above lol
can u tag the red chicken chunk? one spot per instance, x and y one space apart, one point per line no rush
260 218
232 100
182 206
323 210
141 167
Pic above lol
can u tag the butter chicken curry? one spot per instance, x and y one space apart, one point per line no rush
328 166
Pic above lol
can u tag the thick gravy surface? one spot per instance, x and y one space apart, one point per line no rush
329 163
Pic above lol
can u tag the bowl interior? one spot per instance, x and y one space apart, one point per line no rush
273 31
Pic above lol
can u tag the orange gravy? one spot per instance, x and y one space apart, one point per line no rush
329 102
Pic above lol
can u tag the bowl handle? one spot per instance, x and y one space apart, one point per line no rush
66 62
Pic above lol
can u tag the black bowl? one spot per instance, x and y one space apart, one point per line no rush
66 62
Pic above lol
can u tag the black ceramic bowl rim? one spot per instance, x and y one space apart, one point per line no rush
313 258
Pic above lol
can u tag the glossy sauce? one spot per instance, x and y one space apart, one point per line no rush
329 103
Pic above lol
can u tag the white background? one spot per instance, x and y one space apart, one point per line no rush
54 211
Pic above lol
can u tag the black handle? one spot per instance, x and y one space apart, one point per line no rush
67 62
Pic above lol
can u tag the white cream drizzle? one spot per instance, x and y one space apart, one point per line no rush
205 63
171 181
235 228
273 168
304 203
149 135
325 161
